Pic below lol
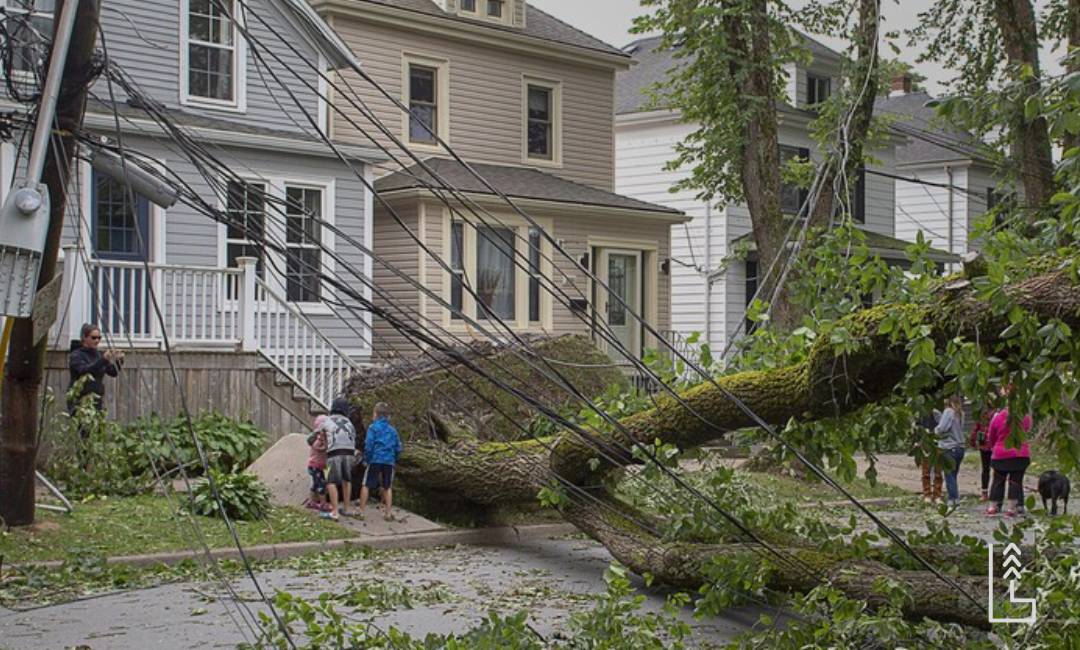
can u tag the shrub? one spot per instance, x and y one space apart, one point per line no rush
110 458
242 496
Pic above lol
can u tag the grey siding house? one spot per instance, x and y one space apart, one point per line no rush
249 288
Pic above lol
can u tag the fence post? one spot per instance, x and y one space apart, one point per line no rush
247 266
75 290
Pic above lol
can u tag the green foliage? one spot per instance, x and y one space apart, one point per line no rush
120 459
239 494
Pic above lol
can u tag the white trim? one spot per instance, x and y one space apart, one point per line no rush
369 243
155 217
555 87
442 99
323 88
238 104
7 168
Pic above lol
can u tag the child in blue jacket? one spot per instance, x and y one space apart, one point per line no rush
382 447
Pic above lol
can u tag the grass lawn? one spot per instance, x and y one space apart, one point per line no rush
150 524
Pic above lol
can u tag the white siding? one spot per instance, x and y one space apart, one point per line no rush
926 208
642 151
641 154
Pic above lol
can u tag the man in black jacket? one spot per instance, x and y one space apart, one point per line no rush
87 360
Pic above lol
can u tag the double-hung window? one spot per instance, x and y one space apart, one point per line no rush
792 196
496 8
303 243
542 104
496 272
468 5
245 233
818 89
214 68
29 27
423 103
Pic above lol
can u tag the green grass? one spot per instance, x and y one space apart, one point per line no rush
150 524
791 489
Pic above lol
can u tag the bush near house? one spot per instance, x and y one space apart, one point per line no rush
93 455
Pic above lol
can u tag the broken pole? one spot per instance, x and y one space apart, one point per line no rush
25 367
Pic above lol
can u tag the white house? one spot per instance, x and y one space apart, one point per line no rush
955 182
707 295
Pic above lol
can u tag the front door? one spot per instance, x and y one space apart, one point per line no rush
120 240
622 271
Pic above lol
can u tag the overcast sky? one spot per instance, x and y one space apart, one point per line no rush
610 20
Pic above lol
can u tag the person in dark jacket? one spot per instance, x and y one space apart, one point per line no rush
86 360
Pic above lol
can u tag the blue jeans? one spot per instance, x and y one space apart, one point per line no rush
955 455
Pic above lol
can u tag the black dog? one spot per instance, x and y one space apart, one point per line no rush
1053 486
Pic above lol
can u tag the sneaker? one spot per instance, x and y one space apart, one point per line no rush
928 500
953 503
325 507
992 511
1010 513
312 505
332 516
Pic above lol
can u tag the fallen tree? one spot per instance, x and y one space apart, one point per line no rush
828 383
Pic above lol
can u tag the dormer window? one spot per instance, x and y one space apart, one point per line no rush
495 8
818 89
469 6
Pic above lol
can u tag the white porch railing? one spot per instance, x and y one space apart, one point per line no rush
202 307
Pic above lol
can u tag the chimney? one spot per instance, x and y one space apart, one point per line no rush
901 85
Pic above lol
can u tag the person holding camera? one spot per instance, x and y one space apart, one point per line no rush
87 360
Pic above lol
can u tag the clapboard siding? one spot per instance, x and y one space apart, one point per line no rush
643 149
925 208
192 238
485 91
396 250
152 56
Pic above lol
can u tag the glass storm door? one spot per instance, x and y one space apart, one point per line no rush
623 277
119 232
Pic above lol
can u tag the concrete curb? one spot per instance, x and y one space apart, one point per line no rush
471 536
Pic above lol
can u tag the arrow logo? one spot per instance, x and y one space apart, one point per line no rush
1013 573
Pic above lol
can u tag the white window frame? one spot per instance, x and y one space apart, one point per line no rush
442 99
238 104
325 231
13 7
471 12
520 226
555 87
274 227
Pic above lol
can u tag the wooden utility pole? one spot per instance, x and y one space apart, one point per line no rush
25 368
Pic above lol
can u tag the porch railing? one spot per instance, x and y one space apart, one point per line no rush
204 307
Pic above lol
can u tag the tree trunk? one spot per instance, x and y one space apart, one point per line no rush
494 473
848 159
26 361
1031 149
1072 63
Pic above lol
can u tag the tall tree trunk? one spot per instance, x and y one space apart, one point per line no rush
828 383
847 159
1030 138
1072 64
760 149
19 401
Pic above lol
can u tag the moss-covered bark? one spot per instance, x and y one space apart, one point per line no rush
828 383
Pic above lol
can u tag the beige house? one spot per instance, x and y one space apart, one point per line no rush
528 102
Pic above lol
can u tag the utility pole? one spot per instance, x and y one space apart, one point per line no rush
25 368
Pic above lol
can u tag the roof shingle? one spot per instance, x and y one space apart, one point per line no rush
929 138
515 182
538 25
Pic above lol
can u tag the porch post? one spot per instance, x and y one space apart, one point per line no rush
247 266
74 293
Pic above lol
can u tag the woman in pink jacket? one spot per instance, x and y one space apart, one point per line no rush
1008 462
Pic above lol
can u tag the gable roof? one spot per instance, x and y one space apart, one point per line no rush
653 64
929 138
538 25
517 183
315 29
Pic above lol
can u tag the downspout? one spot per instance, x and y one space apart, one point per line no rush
949 175
707 271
